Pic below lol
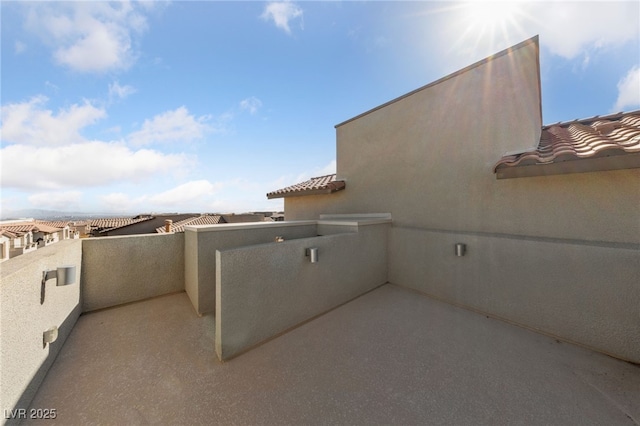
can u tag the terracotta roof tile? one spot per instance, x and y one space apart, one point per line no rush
116 222
205 219
317 185
8 233
591 138
20 228
55 223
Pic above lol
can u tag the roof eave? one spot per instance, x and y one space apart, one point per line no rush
332 187
578 165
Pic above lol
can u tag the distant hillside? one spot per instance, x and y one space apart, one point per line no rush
52 214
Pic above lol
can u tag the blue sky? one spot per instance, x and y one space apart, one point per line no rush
132 107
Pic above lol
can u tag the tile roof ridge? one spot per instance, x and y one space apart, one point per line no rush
612 116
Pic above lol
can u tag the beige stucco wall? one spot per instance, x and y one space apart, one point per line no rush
427 158
584 293
264 290
201 243
124 269
23 360
560 253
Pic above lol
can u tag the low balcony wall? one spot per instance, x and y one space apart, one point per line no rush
582 292
201 243
24 359
267 289
125 269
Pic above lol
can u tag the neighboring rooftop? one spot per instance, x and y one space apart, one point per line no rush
205 219
29 226
317 185
116 222
55 223
607 143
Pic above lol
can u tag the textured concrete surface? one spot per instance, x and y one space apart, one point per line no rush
391 356
125 269
24 359
585 293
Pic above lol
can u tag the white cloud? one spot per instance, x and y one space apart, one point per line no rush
281 13
194 192
88 36
83 165
30 123
58 200
251 104
117 202
567 29
120 92
172 126
572 29
629 91
20 47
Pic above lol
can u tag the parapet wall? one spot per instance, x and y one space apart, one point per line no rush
24 358
201 243
125 269
583 292
264 290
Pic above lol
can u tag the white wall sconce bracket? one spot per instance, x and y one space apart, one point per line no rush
312 254
49 336
64 275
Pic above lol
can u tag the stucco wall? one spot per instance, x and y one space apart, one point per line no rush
124 269
23 360
567 261
201 243
580 292
427 158
264 290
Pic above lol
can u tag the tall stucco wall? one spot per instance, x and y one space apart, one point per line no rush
427 158
24 360
264 290
201 243
124 269
581 292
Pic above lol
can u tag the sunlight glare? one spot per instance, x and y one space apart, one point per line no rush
493 25
491 15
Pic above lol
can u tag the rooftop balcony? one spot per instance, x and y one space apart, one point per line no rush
225 325
390 356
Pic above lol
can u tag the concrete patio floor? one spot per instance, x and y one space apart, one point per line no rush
390 357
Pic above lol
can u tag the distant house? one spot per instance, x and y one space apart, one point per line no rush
5 244
204 219
141 224
243 217
116 226
26 236
67 228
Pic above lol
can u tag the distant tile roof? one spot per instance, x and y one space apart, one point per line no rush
21 228
116 222
205 219
55 223
8 234
317 185
561 144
